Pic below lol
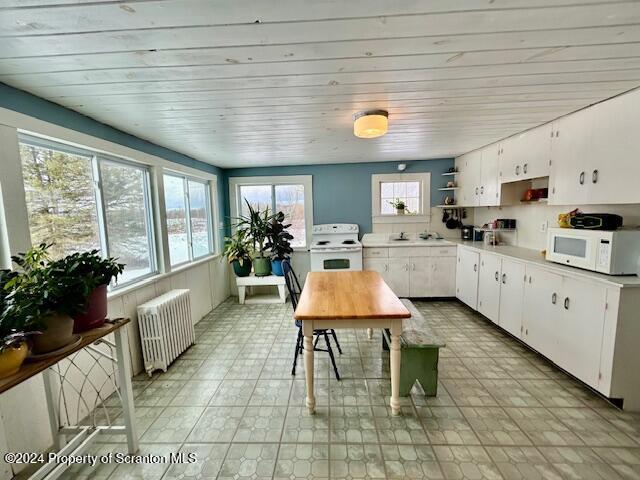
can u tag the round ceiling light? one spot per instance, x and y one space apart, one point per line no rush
370 124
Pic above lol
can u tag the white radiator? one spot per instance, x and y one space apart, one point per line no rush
166 329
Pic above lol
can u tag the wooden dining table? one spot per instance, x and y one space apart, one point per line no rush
353 299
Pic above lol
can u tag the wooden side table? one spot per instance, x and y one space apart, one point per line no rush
268 280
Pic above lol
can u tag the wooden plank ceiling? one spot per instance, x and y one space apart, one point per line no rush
250 83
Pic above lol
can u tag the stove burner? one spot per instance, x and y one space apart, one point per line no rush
323 242
349 242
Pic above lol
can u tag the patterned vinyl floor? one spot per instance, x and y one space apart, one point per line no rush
502 411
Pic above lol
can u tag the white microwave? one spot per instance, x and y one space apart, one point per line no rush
611 252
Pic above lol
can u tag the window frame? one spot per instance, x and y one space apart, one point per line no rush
96 158
424 179
305 180
186 178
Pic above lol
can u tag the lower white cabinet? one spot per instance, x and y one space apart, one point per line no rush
428 272
489 286
511 294
467 277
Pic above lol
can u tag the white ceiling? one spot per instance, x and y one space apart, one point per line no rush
248 83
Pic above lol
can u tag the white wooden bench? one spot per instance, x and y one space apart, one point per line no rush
268 280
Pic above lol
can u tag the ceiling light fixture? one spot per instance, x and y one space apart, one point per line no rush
370 124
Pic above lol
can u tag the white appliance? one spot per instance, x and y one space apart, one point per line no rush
611 252
166 329
335 246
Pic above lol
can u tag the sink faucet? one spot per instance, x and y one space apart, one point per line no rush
401 235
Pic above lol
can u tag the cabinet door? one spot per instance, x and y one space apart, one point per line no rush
511 292
508 161
489 286
535 152
489 186
542 310
614 169
570 153
468 179
443 277
580 329
467 277
398 276
419 277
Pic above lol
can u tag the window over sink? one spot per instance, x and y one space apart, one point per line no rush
413 189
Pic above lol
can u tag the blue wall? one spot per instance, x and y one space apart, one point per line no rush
24 102
342 192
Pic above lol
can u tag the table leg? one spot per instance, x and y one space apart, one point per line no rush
370 333
53 407
282 293
396 331
307 330
241 294
126 390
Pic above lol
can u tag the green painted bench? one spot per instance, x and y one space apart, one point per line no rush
419 348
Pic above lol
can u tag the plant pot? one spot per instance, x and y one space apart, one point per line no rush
58 332
11 359
276 267
242 270
96 312
261 266
400 211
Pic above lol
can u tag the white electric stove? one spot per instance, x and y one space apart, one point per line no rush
335 246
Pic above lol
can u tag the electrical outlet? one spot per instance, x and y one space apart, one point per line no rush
543 227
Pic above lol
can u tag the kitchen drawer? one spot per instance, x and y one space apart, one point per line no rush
375 252
401 252
444 251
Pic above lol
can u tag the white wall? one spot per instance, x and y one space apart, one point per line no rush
24 425
531 217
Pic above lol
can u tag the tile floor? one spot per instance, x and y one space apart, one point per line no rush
501 411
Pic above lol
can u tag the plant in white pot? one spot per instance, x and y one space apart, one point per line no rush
400 206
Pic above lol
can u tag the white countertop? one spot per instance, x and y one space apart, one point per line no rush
536 257
381 240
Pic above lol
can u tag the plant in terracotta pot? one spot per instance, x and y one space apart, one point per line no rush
44 295
94 274
278 242
256 224
238 250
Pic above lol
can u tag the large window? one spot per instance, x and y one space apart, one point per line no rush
290 195
188 213
81 200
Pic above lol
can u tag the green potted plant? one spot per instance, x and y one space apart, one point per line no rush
42 294
256 225
13 335
93 273
238 250
400 206
278 242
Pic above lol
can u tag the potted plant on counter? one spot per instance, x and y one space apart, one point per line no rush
400 206
94 273
256 224
238 251
278 242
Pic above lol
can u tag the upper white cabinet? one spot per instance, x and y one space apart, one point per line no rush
478 178
594 154
489 192
526 155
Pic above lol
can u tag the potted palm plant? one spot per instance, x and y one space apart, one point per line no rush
278 242
256 224
94 274
238 250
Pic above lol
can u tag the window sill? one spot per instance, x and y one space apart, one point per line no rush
155 278
401 218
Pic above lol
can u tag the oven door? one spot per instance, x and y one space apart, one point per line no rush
337 259
571 247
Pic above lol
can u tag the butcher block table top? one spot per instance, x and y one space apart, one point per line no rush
348 295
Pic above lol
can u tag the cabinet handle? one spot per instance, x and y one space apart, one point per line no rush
497 275
413 267
406 268
504 278
475 267
594 176
524 168
554 298
386 267
581 178
476 190
566 303
517 169
482 190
